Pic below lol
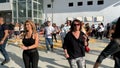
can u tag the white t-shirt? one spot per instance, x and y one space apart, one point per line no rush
48 31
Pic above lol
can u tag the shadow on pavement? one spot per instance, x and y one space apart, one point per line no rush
16 59
92 63
51 61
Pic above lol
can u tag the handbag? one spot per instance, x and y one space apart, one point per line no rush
87 49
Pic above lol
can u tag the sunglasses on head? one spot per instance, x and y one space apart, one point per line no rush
76 24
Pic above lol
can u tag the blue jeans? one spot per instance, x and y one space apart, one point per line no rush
48 41
3 50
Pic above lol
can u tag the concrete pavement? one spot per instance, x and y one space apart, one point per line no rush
56 59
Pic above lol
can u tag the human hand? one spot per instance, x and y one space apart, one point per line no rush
1 42
66 55
24 47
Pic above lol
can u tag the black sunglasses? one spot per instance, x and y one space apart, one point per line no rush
76 24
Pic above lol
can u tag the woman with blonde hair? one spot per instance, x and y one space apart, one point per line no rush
30 44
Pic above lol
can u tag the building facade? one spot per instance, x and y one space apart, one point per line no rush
21 10
89 11
57 11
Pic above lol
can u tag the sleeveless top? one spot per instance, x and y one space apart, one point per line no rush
28 41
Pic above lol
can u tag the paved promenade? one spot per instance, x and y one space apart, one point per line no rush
55 59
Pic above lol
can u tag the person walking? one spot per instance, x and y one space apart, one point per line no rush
73 45
30 43
48 31
113 48
3 40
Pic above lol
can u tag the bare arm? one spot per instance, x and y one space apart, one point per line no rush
96 65
66 54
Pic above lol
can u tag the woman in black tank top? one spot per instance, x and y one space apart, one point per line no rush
30 44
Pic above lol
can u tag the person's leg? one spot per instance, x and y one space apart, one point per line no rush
47 43
101 34
97 35
55 37
111 49
117 62
51 43
52 37
3 50
80 62
72 63
34 59
26 59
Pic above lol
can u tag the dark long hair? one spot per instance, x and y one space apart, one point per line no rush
116 34
72 25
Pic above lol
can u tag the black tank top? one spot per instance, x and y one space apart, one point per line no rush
28 41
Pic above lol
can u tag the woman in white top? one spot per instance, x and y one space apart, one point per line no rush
16 31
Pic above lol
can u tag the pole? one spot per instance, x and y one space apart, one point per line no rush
52 9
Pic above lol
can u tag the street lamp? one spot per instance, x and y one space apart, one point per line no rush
52 9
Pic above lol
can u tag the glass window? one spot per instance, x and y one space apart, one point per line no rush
40 7
15 20
21 19
14 10
100 2
22 9
35 0
49 6
35 6
40 1
2 1
29 6
35 20
39 14
80 3
29 13
7 0
70 4
35 13
21 0
14 1
90 3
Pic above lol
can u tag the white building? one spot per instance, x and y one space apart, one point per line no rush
92 11
57 11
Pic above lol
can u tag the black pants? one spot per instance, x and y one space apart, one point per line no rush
113 48
30 58
99 34
54 37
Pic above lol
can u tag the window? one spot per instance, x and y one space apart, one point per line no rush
90 3
100 2
49 6
80 3
3 1
70 4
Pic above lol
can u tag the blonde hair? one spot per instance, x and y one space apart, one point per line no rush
32 25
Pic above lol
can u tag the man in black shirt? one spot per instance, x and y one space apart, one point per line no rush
3 40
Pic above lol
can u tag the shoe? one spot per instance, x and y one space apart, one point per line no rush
4 62
52 49
47 51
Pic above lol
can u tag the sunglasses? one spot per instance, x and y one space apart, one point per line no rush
76 24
